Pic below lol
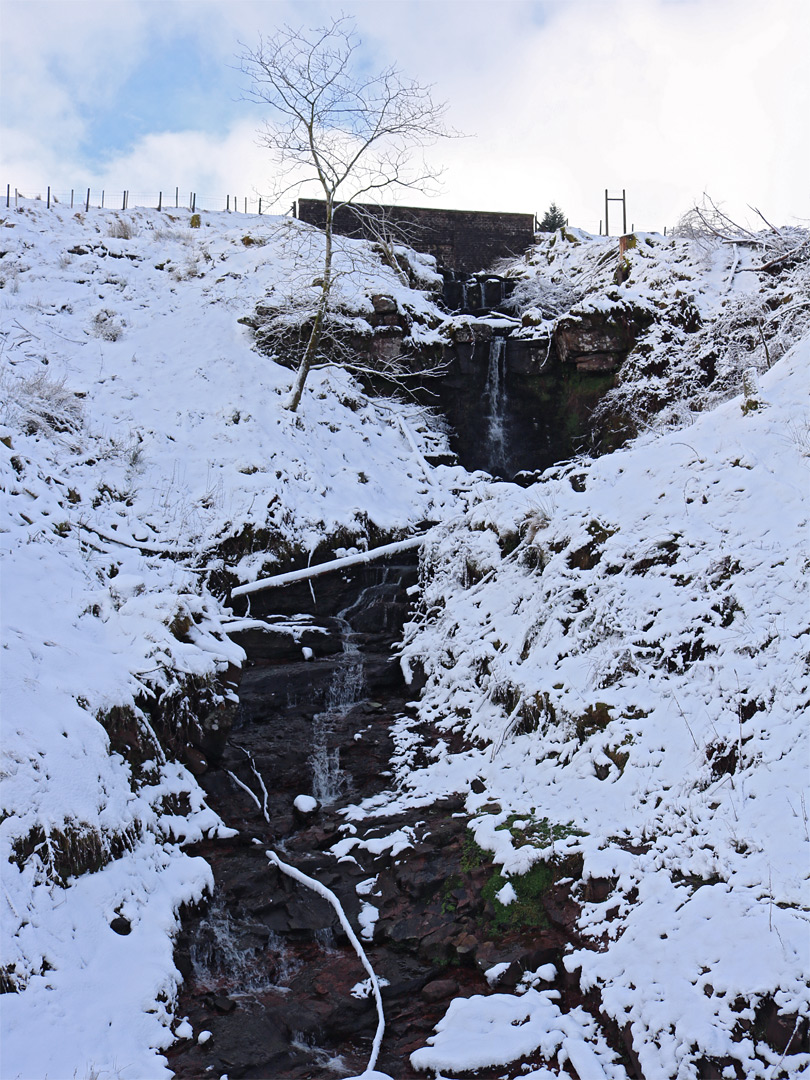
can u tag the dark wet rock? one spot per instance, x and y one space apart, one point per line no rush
440 990
121 925
267 967
195 761
600 339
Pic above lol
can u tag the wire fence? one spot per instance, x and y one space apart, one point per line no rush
167 199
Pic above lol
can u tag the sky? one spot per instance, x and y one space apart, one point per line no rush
558 100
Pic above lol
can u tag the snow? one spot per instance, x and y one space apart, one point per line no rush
630 681
480 1032
506 895
305 803
652 627
140 429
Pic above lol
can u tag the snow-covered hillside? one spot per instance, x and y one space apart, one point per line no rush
625 647
140 432
616 656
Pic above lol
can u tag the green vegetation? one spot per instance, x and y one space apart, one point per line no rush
529 831
472 854
527 910
553 219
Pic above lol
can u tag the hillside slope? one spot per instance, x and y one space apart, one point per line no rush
616 657
624 648
145 453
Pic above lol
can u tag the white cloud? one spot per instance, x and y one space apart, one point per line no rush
665 98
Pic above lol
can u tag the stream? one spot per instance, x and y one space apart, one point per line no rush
268 970
269 973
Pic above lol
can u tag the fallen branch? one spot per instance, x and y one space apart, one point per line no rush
334 564
329 896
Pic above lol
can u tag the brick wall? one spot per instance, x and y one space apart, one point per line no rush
465 240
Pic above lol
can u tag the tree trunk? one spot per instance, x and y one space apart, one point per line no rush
315 336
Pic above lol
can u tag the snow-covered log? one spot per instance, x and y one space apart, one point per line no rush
328 895
334 564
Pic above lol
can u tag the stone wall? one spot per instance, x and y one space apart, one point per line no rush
462 240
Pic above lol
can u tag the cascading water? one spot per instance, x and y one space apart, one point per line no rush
328 780
495 393
347 689
244 962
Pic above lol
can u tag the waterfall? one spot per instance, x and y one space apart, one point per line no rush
495 394
346 689
228 958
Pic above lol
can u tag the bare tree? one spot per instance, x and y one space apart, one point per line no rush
351 133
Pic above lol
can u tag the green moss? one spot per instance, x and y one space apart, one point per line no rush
449 901
527 910
195 221
536 832
472 854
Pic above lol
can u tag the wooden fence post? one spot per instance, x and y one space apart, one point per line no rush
227 204
48 203
260 206
8 196
124 201
160 199
194 203
87 204
71 198
246 204
624 211
176 197
102 198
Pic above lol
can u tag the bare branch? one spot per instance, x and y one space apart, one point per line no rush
352 133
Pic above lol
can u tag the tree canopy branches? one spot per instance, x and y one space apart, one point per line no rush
332 123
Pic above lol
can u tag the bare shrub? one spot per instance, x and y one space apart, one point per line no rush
121 229
106 325
42 405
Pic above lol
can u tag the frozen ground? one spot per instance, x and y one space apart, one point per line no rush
624 645
139 431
